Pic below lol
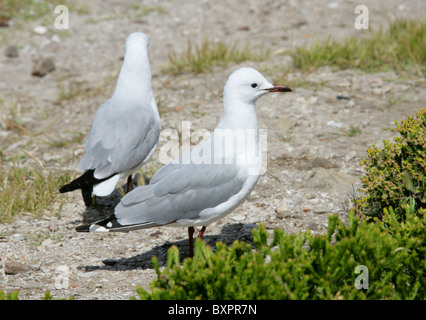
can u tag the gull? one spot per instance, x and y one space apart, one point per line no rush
210 180
125 129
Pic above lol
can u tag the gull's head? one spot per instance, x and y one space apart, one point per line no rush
137 40
248 85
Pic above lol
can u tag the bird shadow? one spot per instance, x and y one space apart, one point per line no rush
103 207
229 233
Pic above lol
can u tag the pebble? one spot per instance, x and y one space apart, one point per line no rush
55 38
341 97
333 124
41 30
16 237
351 155
312 226
239 217
11 267
53 226
332 180
46 243
87 274
43 67
322 162
283 210
11 52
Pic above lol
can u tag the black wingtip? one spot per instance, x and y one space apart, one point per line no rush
100 223
66 188
83 228
83 181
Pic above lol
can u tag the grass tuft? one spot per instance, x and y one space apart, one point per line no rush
401 47
27 191
30 10
200 59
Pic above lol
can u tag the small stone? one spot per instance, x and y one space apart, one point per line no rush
40 30
42 67
283 214
351 155
238 217
46 243
318 209
283 210
53 226
334 124
319 162
11 267
332 180
11 52
342 97
16 237
312 226
55 38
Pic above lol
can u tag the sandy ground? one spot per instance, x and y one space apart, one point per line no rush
312 162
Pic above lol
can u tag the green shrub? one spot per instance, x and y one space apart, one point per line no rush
396 172
302 266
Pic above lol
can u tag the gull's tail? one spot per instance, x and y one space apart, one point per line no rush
85 182
111 224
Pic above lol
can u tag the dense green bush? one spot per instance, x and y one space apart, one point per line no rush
303 266
397 172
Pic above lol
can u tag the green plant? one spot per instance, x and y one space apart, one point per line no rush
301 266
15 296
352 131
400 47
26 190
9 296
30 10
199 59
397 171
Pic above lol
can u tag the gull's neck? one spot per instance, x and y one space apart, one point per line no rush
239 119
238 114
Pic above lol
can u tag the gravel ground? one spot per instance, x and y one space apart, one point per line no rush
312 162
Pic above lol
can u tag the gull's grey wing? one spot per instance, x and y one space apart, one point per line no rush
182 193
120 138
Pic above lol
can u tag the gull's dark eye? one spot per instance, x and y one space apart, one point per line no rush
254 85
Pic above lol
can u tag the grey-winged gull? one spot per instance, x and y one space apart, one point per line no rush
207 182
125 129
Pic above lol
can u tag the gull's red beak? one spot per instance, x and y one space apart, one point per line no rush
277 88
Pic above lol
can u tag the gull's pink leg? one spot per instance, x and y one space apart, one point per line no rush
201 233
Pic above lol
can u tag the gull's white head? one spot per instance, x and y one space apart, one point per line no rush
137 39
135 75
247 85
137 53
